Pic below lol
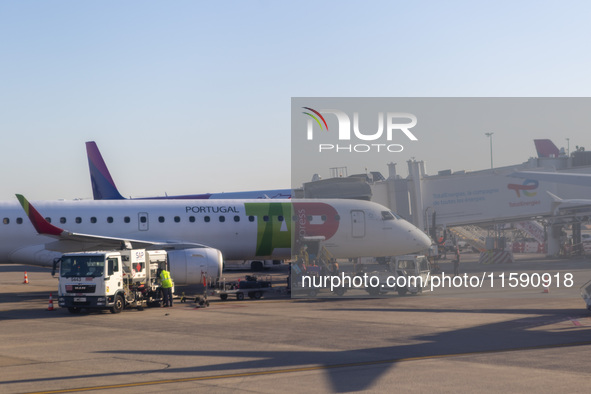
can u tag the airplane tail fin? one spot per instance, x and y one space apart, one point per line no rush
546 148
37 220
103 187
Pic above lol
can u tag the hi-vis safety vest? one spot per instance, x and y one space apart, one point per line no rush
165 279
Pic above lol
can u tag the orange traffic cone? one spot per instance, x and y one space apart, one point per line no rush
50 307
26 282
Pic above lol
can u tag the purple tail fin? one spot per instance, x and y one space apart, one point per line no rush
103 187
546 148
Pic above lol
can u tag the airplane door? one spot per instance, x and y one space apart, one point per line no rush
358 224
142 221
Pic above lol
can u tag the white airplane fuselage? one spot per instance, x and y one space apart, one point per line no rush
240 229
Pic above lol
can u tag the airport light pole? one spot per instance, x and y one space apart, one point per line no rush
489 135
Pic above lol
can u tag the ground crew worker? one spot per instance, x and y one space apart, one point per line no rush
166 285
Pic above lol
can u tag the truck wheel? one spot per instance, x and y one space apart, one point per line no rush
373 291
74 310
239 296
257 295
340 291
223 297
118 305
256 266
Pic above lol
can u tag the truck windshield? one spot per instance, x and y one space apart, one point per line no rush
79 266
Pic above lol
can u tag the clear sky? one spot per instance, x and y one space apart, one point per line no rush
194 96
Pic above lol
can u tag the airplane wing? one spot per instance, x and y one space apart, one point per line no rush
76 242
558 177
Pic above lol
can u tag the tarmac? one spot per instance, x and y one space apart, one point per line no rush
460 339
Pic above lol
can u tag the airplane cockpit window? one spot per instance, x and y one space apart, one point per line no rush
387 215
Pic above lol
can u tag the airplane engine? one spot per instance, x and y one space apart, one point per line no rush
187 266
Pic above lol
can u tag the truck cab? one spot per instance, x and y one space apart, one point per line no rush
109 280
410 266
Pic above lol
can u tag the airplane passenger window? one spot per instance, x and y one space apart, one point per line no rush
143 219
280 218
207 219
62 220
110 219
19 220
222 218
323 218
265 218
161 219
192 219
48 219
177 219
337 217
6 221
126 219
236 218
78 220
251 218
93 219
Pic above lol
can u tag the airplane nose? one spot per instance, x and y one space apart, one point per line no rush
422 239
416 239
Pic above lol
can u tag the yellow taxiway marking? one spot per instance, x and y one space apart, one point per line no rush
306 369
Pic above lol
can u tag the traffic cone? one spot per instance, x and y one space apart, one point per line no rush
26 282
50 307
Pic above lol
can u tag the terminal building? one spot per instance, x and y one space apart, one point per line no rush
475 204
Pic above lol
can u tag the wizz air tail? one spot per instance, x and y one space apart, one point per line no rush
546 148
103 187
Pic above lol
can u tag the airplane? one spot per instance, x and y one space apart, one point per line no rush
103 186
201 233
557 177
